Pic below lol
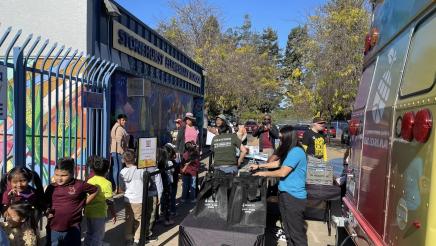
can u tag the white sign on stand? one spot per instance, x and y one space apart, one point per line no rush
3 92
147 150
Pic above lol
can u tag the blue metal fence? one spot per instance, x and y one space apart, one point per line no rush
57 104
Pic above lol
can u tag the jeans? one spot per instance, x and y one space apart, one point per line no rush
174 187
189 187
115 170
228 169
71 237
165 202
95 229
294 225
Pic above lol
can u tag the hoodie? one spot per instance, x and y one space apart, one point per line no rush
132 183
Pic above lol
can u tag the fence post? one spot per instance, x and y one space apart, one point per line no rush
144 221
106 117
20 108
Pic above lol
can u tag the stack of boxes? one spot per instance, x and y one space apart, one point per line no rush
320 173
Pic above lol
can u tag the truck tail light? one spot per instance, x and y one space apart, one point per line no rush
351 128
423 125
407 126
354 127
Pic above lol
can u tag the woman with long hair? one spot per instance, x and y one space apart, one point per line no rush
292 185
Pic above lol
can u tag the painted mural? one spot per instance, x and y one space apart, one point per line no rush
150 115
73 124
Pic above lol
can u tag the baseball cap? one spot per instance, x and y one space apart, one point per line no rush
190 116
318 120
223 117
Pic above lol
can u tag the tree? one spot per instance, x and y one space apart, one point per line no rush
333 54
188 25
269 45
292 63
239 77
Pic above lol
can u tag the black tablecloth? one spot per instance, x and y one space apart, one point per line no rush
214 232
323 192
319 202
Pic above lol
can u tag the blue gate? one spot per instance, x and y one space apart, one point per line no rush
54 102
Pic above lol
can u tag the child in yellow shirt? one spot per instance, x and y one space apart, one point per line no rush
96 211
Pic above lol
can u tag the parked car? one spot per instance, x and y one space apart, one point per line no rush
251 126
331 131
300 130
345 136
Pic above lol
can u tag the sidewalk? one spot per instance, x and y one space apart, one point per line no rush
317 231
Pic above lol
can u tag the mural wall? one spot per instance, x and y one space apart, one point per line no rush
73 126
150 115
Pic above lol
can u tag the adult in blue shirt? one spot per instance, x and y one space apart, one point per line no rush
292 185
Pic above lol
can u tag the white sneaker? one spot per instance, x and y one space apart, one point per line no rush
282 238
279 233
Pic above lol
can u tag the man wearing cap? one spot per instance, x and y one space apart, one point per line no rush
267 134
187 133
314 141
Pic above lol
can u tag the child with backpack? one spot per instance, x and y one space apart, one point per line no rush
165 168
175 163
189 171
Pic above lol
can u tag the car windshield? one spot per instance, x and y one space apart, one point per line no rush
301 128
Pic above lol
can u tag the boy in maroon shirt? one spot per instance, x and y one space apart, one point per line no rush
66 199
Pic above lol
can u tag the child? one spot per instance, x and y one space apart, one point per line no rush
165 168
21 227
173 161
190 166
132 183
96 210
66 199
16 187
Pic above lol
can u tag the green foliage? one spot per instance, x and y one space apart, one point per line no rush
241 64
246 74
333 55
293 59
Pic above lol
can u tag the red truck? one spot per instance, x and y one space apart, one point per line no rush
391 194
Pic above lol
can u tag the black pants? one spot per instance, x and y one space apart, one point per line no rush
294 225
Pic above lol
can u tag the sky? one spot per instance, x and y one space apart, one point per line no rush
281 15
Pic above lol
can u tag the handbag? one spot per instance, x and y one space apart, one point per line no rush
247 203
213 197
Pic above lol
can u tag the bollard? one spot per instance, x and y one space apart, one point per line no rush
144 223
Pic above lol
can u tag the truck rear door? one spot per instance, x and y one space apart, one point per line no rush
378 128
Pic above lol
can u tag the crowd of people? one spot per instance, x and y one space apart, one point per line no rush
66 199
